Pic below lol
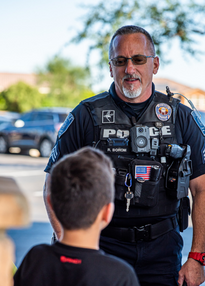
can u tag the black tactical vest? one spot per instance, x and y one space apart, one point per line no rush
140 152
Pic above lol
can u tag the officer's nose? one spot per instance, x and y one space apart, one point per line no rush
130 67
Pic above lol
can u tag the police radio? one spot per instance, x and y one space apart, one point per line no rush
140 139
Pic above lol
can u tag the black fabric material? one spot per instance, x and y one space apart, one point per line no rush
131 109
152 200
81 133
156 262
143 233
43 266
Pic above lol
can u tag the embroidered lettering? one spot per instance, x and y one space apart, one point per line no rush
122 133
166 130
70 260
118 133
108 132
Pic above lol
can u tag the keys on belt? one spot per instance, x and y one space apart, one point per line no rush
129 194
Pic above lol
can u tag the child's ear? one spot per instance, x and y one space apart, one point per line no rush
107 214
48 199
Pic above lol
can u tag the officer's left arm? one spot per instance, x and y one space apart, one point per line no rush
192 271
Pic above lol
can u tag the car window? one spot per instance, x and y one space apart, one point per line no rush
3 120
43 116
62 116
28 117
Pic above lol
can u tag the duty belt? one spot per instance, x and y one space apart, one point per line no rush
142 233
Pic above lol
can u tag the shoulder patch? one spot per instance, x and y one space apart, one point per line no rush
203 154
54 154
108 116
163 111
68 121
198 121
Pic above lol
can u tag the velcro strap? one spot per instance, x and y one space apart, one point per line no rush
143 233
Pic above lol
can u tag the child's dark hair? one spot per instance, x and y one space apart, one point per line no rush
81 184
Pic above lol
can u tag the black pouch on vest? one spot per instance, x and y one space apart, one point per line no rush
184 212
178 174
145 183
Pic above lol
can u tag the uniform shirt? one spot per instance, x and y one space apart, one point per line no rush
78 131
60 265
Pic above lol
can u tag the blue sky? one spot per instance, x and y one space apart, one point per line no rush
32 31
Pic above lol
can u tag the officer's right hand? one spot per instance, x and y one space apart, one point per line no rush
192 272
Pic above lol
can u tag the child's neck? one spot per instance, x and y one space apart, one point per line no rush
85 238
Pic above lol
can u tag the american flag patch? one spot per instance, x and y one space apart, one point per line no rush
142 172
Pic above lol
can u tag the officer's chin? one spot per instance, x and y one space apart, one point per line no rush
132 94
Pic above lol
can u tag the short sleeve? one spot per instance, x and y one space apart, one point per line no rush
76 132
193 136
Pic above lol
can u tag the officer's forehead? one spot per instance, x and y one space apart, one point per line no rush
130 43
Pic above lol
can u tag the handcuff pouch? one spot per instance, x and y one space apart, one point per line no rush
146 180
184 212
178 174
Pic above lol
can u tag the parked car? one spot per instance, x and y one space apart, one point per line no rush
7 117
36 129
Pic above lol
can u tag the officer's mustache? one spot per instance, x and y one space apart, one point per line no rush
131 76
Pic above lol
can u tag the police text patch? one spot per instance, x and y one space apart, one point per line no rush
203 154
54 154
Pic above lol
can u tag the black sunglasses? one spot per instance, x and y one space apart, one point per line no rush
136 60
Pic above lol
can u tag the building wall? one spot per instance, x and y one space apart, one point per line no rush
197 96
7 79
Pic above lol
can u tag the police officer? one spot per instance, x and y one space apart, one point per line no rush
158 149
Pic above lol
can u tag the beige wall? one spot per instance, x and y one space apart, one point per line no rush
197 96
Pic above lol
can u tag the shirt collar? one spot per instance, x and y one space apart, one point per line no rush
123 105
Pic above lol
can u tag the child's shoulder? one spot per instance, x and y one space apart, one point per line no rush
116 262
115 267
39 249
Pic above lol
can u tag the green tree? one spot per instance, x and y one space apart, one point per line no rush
20 97
165 20
68 84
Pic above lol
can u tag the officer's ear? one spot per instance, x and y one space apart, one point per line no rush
156 65
111 74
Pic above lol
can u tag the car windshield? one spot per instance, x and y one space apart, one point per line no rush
62 116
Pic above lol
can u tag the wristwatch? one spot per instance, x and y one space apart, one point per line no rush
198 256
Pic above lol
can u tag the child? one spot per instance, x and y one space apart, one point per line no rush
81 196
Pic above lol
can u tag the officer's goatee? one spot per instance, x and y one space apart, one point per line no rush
132 92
